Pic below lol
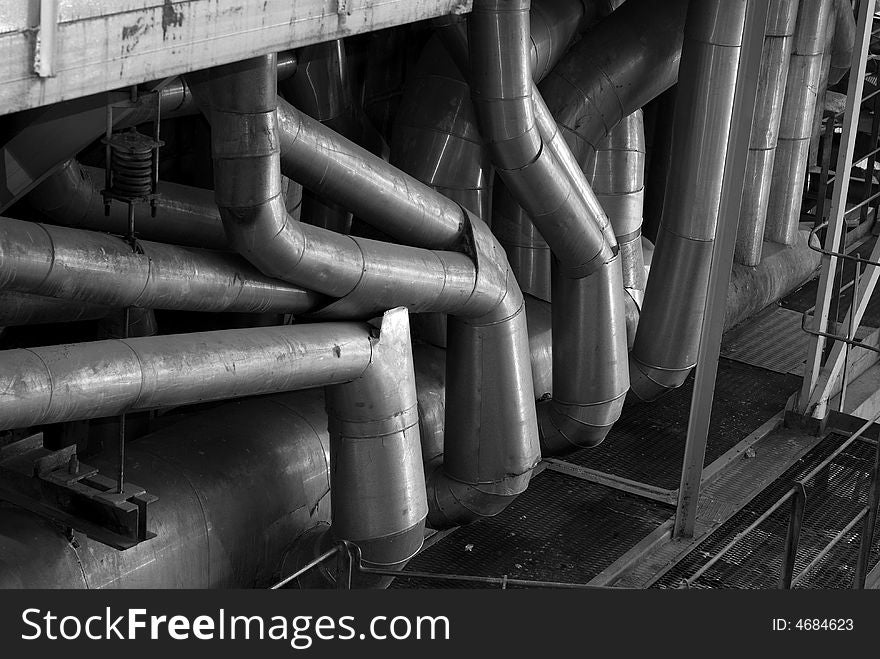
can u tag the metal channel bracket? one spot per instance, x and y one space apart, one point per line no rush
54 484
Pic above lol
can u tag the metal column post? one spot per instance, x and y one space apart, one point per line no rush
833 239
722 261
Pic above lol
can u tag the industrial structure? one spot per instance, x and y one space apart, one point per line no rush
410 293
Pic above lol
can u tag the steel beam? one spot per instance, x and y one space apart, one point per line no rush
833 240
107 44
719 273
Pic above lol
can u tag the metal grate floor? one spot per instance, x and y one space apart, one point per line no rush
785 353
560 529
834 497
647 444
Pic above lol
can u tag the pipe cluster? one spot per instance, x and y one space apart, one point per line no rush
548 315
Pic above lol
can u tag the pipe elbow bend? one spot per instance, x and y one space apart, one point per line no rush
565 427
650 382
454 503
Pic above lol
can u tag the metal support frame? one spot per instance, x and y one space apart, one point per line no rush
797 495
719 274
809 401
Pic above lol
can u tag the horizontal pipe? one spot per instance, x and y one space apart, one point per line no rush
27 309
105 378
97 268
71 196
222 522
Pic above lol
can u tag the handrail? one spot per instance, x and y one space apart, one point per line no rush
797 495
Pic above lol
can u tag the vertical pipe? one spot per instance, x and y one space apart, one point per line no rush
675 300
795 128
772 79
618 179
376 475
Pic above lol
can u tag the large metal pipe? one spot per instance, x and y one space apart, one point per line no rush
71 196
377 476
552 27
435 138
321 88
836 61
844 40
540 171
666 346
489 337
27 309
773 75
795 128
618 179
97 268
626 60
237 484
105 378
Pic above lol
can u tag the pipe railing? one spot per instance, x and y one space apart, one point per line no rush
349 563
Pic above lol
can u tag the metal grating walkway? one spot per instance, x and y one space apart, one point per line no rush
560 529
785 353
833 499
647 444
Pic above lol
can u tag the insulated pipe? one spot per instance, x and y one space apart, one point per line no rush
539 169
356 178
795 128
97 268
321 89
377 478
568 216
26 309
435 136
106 378
489 337
618 179
71 197
666 346
552 28
223 522
821 94
626 60
773 75
844 40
